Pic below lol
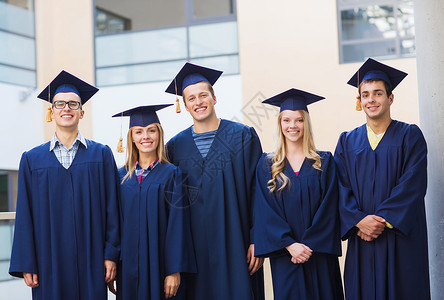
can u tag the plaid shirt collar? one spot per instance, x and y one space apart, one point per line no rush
55 141
142 173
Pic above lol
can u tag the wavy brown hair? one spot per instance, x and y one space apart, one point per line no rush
278 179
132 153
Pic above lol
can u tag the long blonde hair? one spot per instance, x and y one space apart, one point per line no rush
278 178
132 153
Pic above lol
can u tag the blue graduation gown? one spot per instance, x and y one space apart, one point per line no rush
390 182
67 222
220 189
306 212
156 236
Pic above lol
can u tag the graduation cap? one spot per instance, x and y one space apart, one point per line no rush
140 116
293 99
373 69
66 83
191 74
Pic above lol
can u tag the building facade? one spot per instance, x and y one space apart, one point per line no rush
132 49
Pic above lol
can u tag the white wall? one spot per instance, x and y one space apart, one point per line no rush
21 122
111 100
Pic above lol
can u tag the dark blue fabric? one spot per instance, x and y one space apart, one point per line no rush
65 82
373 69
221 188
67 222
293 99
390 182
191 74
67 88
142 115
306 211
156 236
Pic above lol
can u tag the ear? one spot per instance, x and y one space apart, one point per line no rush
391 98
82 112
215 100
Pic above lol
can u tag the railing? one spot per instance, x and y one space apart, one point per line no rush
7 215
6 233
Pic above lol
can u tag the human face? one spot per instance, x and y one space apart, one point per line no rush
199 101
292 124
146 138
65 117
374 100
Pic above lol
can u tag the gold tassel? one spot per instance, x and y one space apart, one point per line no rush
177 98
177 106
120 146
358 103
48 115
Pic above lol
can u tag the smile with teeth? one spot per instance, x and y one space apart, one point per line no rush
293 131
147 144
200 109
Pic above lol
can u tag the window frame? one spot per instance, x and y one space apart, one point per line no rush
343 5
190 21
33 38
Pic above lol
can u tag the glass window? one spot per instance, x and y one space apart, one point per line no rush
150 41
116 15
212 8
107 22
17 50
213 39
8 196
380 30
17 37
17 16
4 205
228 63
6 236
141 47
160 71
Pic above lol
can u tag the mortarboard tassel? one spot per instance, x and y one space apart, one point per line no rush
120 145
120 142
177 106
358 98
358 103
177 98
49 111
48 114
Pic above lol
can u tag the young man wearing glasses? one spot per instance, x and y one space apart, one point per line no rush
66 238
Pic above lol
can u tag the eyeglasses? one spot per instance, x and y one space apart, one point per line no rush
60 104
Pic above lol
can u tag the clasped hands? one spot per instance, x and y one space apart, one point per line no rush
370 227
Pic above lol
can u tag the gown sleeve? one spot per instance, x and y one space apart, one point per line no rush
179 256
112 238
252 151
406 198
23 256
349 210
323 235
272 232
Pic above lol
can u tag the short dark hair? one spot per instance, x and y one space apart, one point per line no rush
388 89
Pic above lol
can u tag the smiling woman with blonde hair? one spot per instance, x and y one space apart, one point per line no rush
156 238
296 207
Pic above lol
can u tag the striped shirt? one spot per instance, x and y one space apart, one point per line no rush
203 141
142 173
66 156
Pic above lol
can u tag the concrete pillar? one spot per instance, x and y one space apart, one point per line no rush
65 41
430 62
